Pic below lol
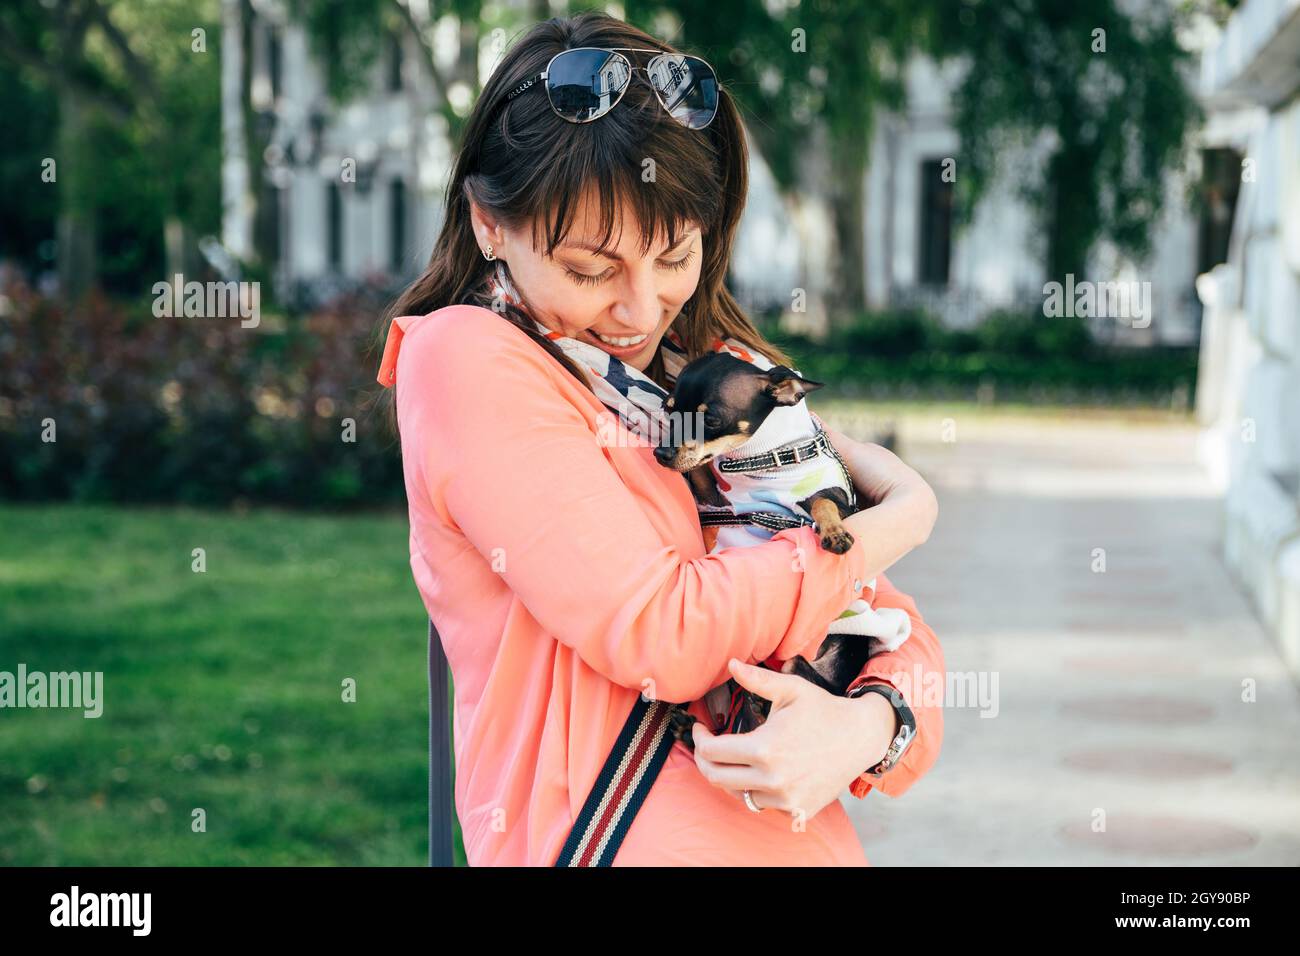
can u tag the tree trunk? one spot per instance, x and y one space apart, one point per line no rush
237 204
77 261
847 293
174 245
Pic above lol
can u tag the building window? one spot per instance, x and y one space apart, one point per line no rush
397 226
1220 183
275 57
335 213
936 224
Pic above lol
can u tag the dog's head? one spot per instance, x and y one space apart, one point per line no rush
718 403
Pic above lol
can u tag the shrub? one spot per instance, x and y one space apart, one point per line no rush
189 409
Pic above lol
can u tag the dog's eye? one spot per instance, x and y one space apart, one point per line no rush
712 421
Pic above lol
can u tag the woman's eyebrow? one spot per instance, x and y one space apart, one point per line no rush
591 247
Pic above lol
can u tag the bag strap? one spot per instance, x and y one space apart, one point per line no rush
440 762
621 787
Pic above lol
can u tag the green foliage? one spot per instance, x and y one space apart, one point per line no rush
28 205
807 65
346 38
1032 336
116 94
1118 120
1115 117
1013 355
226 413
889 334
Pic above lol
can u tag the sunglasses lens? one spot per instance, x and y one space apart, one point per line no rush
688 88
584 84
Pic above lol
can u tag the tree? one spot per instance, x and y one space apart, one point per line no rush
1105 86
811 78
136 111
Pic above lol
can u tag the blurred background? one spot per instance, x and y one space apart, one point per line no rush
1048 252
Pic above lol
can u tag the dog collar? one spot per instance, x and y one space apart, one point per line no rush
789 454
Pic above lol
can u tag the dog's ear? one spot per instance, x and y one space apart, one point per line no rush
787 387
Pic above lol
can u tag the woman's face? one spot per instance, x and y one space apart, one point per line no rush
585 296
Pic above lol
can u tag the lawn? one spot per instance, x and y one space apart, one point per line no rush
222 690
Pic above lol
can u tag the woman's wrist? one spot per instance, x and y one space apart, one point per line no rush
877 725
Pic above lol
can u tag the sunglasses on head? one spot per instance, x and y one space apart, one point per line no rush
585 83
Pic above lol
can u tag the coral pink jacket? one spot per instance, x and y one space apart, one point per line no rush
565 575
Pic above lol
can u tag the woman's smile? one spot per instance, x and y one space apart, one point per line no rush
619 351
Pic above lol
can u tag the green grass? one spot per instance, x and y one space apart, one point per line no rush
222 690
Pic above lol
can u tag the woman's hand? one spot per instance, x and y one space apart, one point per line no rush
811 747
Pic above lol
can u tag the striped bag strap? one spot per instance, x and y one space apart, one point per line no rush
632 766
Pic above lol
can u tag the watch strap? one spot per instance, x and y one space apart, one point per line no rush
906 729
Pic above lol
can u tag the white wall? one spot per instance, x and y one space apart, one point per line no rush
1249 395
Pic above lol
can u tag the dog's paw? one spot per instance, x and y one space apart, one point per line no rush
681 725
837 541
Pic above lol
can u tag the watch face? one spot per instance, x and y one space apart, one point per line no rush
899 745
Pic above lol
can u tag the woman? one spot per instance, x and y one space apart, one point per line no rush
567 573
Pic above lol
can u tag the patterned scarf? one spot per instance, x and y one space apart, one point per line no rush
633 395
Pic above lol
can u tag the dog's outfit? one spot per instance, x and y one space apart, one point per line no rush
785 461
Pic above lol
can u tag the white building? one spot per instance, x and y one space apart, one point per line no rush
1249 386
916 255
345 192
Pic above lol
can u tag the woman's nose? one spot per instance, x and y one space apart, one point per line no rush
638 307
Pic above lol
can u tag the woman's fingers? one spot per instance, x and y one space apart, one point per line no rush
729 749
763 799
736 777
765 682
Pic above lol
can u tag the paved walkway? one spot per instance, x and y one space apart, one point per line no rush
1120 735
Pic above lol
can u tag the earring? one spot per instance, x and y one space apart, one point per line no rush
487 253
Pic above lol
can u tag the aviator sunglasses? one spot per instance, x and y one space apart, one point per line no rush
585 83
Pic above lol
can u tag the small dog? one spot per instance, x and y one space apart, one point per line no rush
724 410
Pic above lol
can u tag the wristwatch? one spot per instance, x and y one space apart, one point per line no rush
906 729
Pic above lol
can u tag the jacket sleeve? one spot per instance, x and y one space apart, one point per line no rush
915 670
516 467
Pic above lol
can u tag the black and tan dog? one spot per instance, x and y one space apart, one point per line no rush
718 405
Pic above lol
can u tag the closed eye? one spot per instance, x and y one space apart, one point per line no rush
583 278
681 263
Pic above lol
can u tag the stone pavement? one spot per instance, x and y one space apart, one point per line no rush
1118 733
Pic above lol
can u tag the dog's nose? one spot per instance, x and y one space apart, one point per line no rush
663 454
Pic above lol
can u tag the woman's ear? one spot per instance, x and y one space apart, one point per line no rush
486 230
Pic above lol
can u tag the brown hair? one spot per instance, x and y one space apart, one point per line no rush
524 165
